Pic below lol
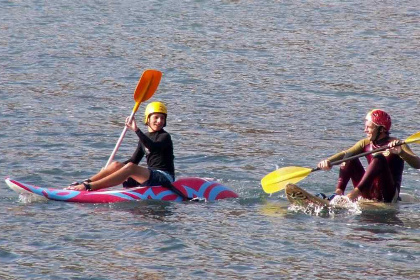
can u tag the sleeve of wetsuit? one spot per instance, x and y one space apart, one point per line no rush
356 149
137 155
161 142
408 156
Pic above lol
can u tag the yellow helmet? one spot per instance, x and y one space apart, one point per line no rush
154 107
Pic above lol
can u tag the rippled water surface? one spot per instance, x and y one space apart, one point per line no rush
250 85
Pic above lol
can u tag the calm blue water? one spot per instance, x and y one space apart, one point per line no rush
250 85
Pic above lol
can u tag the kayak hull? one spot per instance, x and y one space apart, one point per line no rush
192 187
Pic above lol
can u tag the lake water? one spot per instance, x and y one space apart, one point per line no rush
250 86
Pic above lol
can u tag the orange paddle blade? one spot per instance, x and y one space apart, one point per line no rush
278 179
147 85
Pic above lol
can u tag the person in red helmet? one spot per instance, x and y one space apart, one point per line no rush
381 180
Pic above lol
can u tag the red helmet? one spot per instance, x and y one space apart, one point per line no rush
379 118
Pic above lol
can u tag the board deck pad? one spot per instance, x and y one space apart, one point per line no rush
192 187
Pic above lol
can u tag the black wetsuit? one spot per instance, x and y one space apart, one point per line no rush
159 152
158 148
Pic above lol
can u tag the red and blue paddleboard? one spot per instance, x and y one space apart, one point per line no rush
192 187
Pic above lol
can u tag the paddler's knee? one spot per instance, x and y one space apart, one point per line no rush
115 165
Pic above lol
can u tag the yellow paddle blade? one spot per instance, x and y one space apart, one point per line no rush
278 179
147 85
415 138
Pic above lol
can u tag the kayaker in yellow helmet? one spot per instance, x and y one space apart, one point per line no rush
156 144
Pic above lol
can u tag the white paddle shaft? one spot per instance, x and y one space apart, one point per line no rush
111 158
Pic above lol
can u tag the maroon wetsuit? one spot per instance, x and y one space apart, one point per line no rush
382 179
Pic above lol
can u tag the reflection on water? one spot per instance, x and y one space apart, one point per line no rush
275 209
158 210
387 217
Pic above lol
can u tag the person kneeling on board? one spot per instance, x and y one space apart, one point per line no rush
156 143
381 180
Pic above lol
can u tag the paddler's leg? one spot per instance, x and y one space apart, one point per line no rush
377 182
113 167
138 173
353 170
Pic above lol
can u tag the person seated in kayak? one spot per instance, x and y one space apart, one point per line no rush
382 179
156 144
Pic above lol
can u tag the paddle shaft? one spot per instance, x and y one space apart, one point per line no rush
111 158
361 155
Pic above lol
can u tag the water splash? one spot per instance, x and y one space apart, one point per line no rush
339 205
27 198
343 202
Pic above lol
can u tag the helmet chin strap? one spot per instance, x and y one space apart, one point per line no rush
148 125
151 127
378 133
